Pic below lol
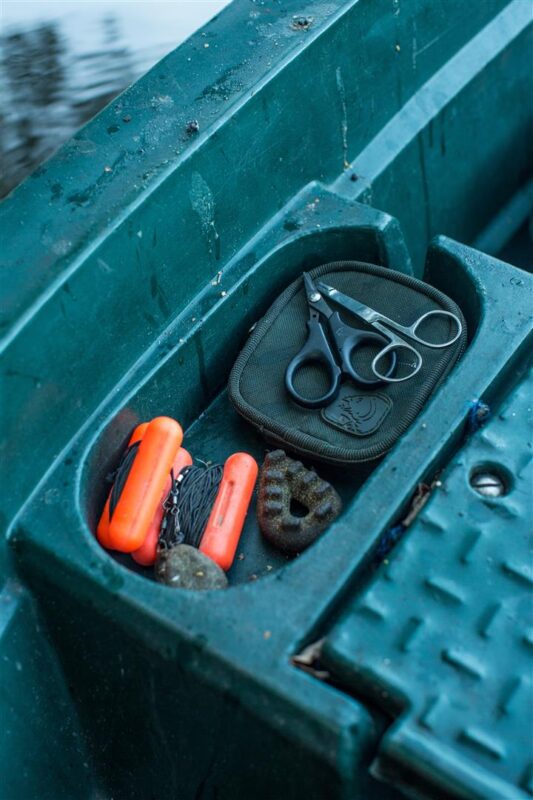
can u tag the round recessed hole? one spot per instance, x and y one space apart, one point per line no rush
298 509
490 481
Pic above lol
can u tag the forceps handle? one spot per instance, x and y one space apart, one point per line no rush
393 350
411 330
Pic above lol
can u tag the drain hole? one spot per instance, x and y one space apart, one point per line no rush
490 480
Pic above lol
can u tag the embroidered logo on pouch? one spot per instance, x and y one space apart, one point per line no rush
358 414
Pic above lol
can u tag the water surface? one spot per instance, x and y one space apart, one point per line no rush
62 61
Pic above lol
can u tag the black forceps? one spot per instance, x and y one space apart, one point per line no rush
317 349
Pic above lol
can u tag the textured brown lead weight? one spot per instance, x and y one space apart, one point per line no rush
283 479
185 567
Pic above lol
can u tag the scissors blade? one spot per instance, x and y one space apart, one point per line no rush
349 303
314 298
310 286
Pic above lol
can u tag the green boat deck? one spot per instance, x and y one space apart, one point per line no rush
138 259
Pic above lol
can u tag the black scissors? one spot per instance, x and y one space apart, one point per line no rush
317 349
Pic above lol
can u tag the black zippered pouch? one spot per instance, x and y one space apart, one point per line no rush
363 422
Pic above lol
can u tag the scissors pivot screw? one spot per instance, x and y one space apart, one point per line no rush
315 297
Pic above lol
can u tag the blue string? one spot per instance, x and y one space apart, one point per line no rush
388 540
478 415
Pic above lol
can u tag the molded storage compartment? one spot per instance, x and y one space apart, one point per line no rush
212 428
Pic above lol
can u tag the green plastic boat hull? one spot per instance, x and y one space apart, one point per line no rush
138 258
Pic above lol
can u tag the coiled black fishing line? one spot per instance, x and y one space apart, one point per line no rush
188 505
119 477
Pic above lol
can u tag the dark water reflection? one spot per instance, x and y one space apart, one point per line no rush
54 76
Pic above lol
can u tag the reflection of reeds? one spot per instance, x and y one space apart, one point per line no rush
55 75
33 80
48 91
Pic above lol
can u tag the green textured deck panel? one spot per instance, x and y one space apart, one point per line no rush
442 636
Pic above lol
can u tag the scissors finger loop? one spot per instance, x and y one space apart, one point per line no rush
315 351
443 314
306 360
